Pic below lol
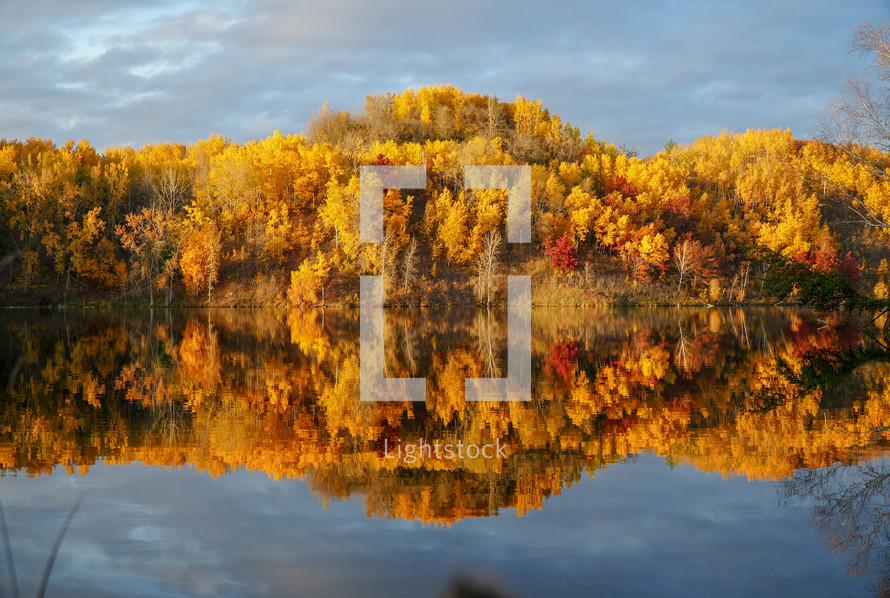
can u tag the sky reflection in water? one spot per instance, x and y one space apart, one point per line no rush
635 529
656 456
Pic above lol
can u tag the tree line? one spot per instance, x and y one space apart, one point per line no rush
207 222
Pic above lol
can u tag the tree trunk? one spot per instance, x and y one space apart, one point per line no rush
151 282
67 283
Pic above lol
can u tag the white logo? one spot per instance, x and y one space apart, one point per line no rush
374 386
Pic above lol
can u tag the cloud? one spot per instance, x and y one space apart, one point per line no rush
123 73
635 529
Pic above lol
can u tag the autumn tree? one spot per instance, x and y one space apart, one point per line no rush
218 206
447 219
562 253
47 201
144 236
201 253
307 283
339 214
694 261
93 254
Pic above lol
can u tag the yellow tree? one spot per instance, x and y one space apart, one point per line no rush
92 253
339 215
201 252
454 229
308 281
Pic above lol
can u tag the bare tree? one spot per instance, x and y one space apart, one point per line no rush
409 265
379 119
861 114
388 254
495 123
856 123
331 126
169 190
695 260
683 261
487 266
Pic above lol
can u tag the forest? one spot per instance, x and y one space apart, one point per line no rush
274 222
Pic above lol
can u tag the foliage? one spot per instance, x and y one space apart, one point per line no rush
308 281
814 287
190 218
200 258
562 253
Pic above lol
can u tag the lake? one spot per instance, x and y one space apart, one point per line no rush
226 452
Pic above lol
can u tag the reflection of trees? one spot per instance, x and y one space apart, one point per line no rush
490 340
850 500
851 508
732 391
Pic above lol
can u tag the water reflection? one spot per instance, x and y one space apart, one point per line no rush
850 503
752 392
765 393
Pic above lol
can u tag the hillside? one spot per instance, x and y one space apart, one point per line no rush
275 222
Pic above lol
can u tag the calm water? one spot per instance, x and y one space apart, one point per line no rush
665 452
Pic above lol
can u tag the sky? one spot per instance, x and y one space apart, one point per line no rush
128 72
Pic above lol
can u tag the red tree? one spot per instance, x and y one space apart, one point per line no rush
826 257
622 186
562 253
